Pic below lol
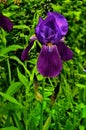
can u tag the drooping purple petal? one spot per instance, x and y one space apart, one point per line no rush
61 22
24 55
64 51
5 23
49 62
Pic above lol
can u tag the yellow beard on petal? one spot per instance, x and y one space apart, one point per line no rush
50 46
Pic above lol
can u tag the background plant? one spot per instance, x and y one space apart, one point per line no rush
19 102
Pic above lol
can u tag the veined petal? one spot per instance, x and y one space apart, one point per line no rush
64 51
5 23
49 62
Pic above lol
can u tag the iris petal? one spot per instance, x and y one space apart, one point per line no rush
61 22
5 23
37 30
47 30
65 52
47 34
24 55
49 62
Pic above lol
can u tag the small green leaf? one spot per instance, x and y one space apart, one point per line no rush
47 123
10 48
39 77
7 107
84 112
9 128
22 27
21 63
22 78
13 88
17 121
81 85
69 125
10 99
56 7
82 95
81 127
82 75
34 71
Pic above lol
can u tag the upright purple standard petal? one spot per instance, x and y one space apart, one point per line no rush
61 22
37 29
49 62
48 31
5 23
65 52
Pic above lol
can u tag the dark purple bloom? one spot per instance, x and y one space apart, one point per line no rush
50 33
5 23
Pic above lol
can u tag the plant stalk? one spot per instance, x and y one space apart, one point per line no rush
41 111
9 70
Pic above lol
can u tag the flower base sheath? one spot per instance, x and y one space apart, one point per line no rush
50 32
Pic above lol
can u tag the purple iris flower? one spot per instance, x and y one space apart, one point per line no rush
50 32
5 23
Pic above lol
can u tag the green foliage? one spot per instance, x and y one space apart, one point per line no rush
20 82
10 128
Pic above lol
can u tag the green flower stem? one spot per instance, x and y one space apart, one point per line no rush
41 111
26 67
47 123
26 102
9 70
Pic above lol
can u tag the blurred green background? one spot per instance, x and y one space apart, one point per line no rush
19 102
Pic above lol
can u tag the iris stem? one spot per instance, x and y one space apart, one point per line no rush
9 70
26 67
26 102
41 111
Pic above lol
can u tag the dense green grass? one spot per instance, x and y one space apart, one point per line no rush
25 95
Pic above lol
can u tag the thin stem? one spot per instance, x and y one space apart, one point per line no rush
9 70
26 102
41 111
26 67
